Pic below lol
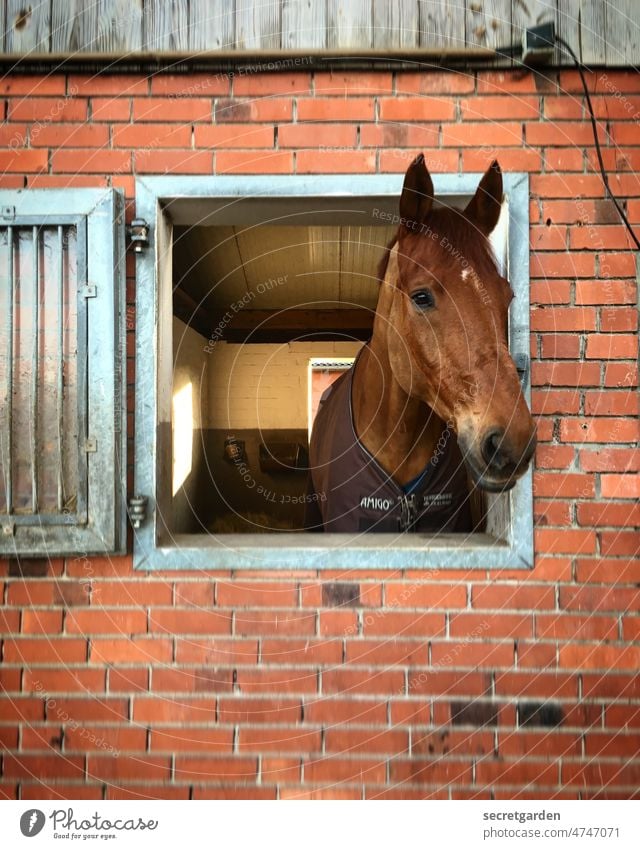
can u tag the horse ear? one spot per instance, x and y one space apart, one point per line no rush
417 194
484 208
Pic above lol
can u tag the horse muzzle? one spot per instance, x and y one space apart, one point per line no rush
495 462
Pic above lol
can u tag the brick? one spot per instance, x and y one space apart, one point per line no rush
19 709
608 745
129 768
276 681
196 593
512 597
608 514
49 766
180 679
426 771
335 711
348 84
564 541
335 161
471 654
91 161
554 456
166 709
59 790
189 621
498 108
620 375
517 772
616 685
173 162
511 159
566 185
620 543
338 622
176 109
623 403
542 744
277 622
317 135
340 769
243 710
552 512
560 626
620 264
45 681
336 109
600 774
176 86
172 739
111 109
563 107
216 651
605 292
563 485
46 110
550 238
267 85
115 621
256 594
387 653
370 741
605 430
69 135
397 160
23 161
622 716
620 486
562 134
234 792
254 162
602 238
279 740
31 649
565 374
355 681
608 571
562 264
435 82
398 624
442 682
590 598
505 134
390 136
32 85
243 110
135 650
201 769
102 738
563 159
236 136
133 593
618 319
599 657
547 684
561 320
614 346
416 109
79 710
491 626
549 403
138 136
425 595
508 82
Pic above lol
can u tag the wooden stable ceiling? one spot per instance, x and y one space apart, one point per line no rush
269 269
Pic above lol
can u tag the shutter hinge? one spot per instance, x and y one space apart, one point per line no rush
8 529
137 510
8 212
89 291
139 234
90 446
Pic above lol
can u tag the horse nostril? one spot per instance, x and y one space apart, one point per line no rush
492 452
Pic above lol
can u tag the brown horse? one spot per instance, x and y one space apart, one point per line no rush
434 386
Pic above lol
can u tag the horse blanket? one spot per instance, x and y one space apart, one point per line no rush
349 492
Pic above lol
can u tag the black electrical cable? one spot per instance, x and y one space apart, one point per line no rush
594 126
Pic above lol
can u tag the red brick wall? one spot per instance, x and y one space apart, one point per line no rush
351 684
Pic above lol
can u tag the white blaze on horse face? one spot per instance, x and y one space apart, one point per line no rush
466 272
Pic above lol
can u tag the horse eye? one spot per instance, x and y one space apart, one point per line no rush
423 299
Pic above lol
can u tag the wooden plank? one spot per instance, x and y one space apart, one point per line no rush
304 24
442 24
582 23
396 24
531 13
623 38
258 25
107 26
28 27
349 23
211 25
488 23
166 24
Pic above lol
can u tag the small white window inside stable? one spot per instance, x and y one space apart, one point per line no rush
241 274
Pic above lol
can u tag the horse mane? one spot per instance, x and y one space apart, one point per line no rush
462 237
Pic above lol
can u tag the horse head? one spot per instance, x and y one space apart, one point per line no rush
445 304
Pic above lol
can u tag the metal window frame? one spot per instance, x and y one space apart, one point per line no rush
99 524
510 514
